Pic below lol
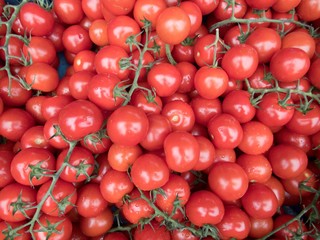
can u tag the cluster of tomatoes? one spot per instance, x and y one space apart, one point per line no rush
194 119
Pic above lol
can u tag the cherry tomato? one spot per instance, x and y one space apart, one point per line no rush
84 61
5 162
119 7
5 228
76 39
98 32
68 11
284 6
151 231
78 84
260 227
51 106
40 49
14 50
224 9
261 5
276 186
195 15
49 133
207 154
92 9
308 10
289 230
314 73
206 6
146 101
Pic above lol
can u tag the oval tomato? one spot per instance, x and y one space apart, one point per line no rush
68 11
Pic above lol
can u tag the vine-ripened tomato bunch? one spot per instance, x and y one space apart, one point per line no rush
182 120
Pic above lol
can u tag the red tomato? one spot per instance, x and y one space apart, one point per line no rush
80 118
210 82
51 106
195 15
240 61
55 36
103 167
5 232
63 193
206 6
183 234
5 162
261 4
146 101
127 125
232 219
14 50
183 155
42 77
204 207
259 201
40 49
314 73
62 228
49 133
234 178
224 9
165 79
84 61
98 32
254 14
225 131
80 165
207 154
260 227
152 231
90 201
289 230
35 19
149 172
115 185
119 7
309 10
34 137
14 196
289 64
173 25
284 26
76 39
68 11
78 84
63 86
284 6
97 142
276 186
92 9
14 122
205 109
257 138
260 78
30 164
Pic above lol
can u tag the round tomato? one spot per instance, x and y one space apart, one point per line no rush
260 227
7 230
84 61
14 50
146 101
276 186
51 106
152 231
207 153
68 11
49 132
5 162
290 229
40 49
309 10
194 13
283 6
34 137
224 9
98 32
206 6
314 73
79 84
92 9
76 39
118 7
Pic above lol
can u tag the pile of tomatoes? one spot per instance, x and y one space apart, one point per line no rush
195 119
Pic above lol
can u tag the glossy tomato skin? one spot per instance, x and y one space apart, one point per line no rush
308 10
204 207
149 104
79 118
51 106
259 201
9 195
152 231
40 50
92 9
118 7
84 61
195 15
34 137
76 39
229 173
71 14
205 109
260 227
284 6
6 226
207 153
289 230
224 10
49 132
314 73
5 162
182 155
78 84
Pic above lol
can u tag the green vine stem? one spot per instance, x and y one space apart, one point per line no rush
169 55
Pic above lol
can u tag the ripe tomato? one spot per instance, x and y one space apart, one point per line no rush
98 32
127 125
240 61
90 201
257 138
30 164
14 50
183 155
5 162
260 227
14 122
80 165
51 106
114 185
314 73
276 186
49 132
289 230
146 101
206 6
262 4
210 82
76 39
84 61
204 207
152 231
224 9
205 109
43 229
234 178
63 193
55 36
14 198
78 84
92 9
283 6
173 25
259 201
183 234
195 15
118 7
207 153
289 64
80 118
102 169
35 19
6 228
253 14
149 172
68 11
225 131
34 137
232 219
309 10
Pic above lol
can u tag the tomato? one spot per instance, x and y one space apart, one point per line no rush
284 6
90 201
204 207
173 25
121 157
63 86
97 142
204 50
98 32
6 230
301 40
308 10
76 39
257 138
182 155
260 78
207 153
146 101
63 193
79 118
224 9
137 208
80 165
55 36
30 164
253 14
14 122
42 77
302 84
104 167
260 227
149 172
289 64
51 106
49 227
240 61
149 10
152 231
165 79
49 134
206 6
14 50
107 61
259 201
286 26
13 198
232 219
115 235
266 41
276 186
225 131
115 185
78 84
188 71
183 234
195 15
119 7
234 178
68 11
210 82
16 96
289 231
127 125
261 5
314 73
120 29
84 61
205 109
35 19
92 9
5 162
